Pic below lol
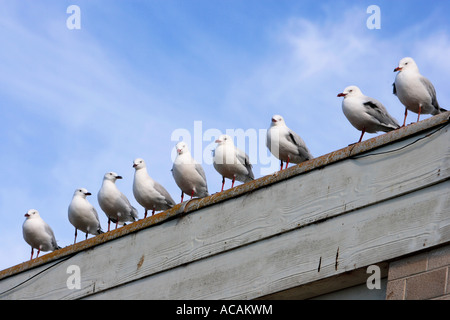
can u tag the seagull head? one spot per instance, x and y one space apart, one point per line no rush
32 213
181 147
81 192
112 176
138 163
277 120
350 91
407 63
224 139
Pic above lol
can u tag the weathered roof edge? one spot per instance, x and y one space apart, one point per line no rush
196 204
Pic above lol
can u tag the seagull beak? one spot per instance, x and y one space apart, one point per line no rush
88 193
119 177
341 94
274 120
134 166
218 141
398 69
26 215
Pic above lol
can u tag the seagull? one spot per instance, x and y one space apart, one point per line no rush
364 113
415 91
285 144
114 203
231 162
149 193
188 174
82 214
38 234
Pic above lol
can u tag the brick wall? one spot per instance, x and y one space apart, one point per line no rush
422 276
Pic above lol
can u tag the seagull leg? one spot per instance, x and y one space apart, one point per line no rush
145 214
39 250
418 116
362 133
75 241
281 165
192 194
406 113
109 223
287 162
153 212
32 252
223 183
182 196
86 236
232 183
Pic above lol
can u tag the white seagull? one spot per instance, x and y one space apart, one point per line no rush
364 113
188 173
38 234
285 144
149 193
231 162
415 91
114 203
82 214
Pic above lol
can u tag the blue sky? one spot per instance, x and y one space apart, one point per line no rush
78 103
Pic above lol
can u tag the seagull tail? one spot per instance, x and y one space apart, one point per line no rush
438 110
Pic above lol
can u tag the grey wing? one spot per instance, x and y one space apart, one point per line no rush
158 187
376 109
133 210
300 144
245 160
125 199
50 232
95 214
200 171
431 91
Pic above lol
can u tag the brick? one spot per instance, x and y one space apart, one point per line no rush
426 285
439 257
395 290
408 266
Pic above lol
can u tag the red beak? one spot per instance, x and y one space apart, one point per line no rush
341 94
398 69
